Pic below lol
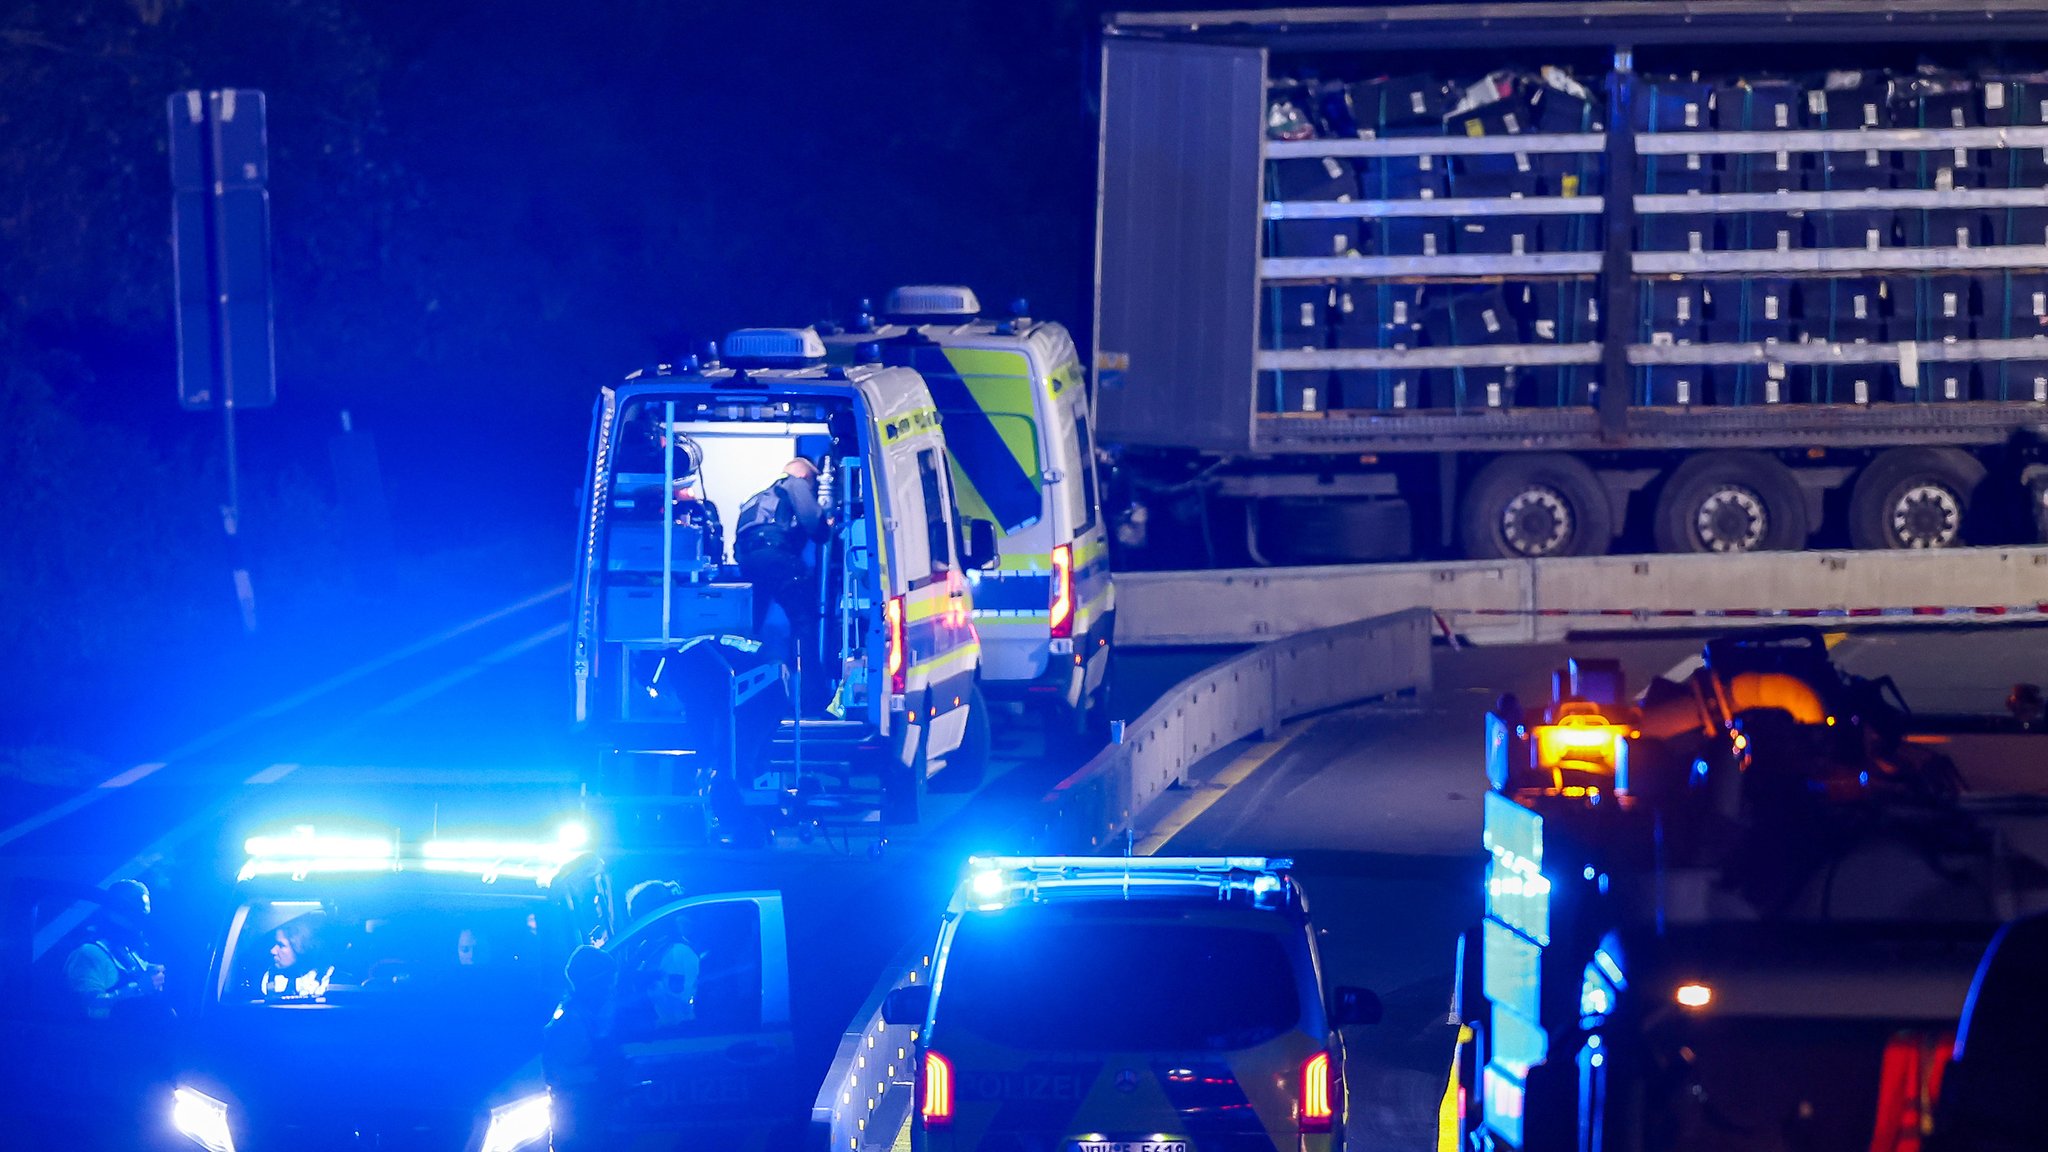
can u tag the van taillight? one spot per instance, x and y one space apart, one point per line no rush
1908 1084
1062 592
898 665
935 1098
1316 1093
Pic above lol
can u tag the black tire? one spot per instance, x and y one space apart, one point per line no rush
1731 502
1544 504
966 766
1913 498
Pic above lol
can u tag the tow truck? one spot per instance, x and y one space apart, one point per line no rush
693 715
1739 912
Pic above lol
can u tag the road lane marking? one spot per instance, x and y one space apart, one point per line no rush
441 684
1207 793
272 774
212 815
131 775
270 711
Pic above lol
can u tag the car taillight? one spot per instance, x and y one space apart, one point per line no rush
935 1101
898 665
1909 1082
1063 592
1317 1115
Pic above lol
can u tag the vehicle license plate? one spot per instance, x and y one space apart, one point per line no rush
1130 1146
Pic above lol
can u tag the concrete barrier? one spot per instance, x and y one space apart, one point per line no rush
1524 601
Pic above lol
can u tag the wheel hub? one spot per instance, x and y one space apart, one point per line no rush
1537 522
1731 519
1927 515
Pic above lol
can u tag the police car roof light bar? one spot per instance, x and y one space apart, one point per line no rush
304 850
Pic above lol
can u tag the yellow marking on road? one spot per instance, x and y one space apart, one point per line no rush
1207 793
1833 638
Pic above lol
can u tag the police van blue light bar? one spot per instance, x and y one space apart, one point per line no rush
773 348
305 850
931 301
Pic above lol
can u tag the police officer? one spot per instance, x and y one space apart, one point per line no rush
580 1055
109 969
770 543
671 983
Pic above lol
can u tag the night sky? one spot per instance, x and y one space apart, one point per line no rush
481 213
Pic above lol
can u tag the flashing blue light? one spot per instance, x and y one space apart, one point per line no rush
304 851
774 348
919 300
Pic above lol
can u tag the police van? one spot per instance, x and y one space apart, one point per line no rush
831 699
1020 442
1149 1004
370 990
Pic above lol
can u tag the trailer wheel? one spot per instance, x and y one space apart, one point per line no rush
1913 498
1731 502
1524 507
967 765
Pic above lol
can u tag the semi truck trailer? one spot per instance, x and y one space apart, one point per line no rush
1550 279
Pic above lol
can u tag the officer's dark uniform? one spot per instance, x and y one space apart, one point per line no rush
768 544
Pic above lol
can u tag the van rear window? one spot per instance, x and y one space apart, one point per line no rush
1038 978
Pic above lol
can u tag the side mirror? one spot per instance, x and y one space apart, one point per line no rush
1355 1006
909 1006
981 544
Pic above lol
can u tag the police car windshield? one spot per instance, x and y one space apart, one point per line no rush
451 951
1066 977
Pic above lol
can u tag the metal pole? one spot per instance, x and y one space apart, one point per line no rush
231 512
1617 265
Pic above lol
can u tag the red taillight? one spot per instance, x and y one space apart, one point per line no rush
1063 592
1909 1082
898 665
1317 1091
935 1102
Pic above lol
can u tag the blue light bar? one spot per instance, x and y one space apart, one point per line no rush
932 300
304 851
995 881
773 348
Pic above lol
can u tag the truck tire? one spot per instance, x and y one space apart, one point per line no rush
1731 502
966 766
1544 504
1913 498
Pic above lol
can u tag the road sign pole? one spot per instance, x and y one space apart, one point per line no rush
221 242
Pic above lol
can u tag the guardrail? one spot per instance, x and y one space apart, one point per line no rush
866 1095
1528 601
1251 694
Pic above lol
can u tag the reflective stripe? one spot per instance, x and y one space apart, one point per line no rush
989 401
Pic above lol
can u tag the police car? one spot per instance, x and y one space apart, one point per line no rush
1153 1004
366 992
1018 436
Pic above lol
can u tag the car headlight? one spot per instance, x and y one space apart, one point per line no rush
202 1119
518 1124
